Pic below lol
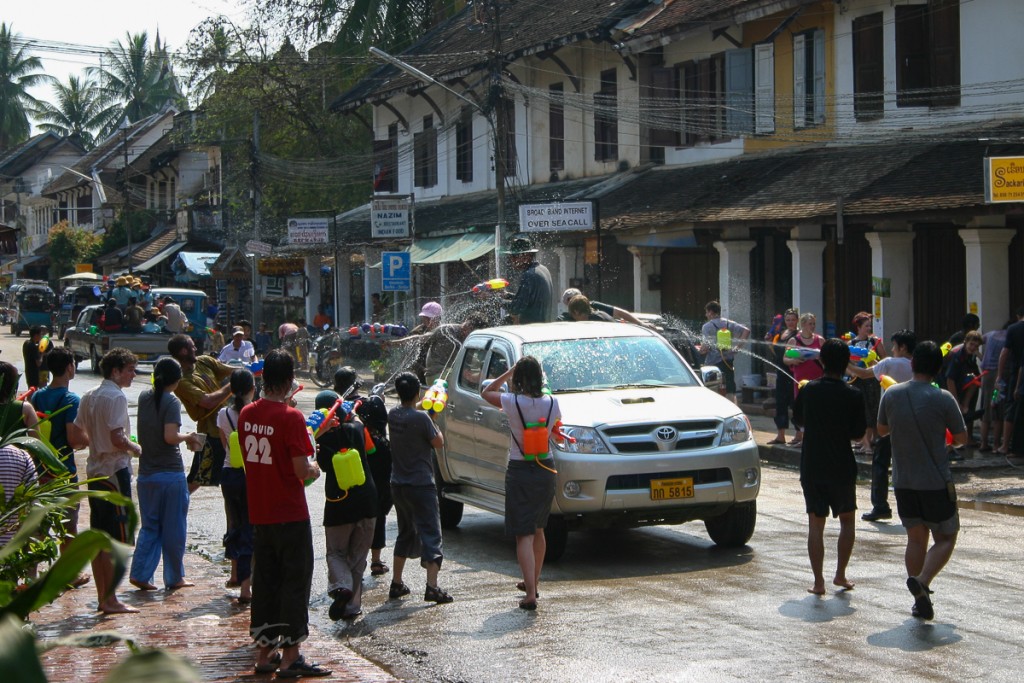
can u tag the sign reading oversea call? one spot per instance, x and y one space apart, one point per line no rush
307 230
390 217
555 217
1004 179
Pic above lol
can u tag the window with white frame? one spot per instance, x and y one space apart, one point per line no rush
808 78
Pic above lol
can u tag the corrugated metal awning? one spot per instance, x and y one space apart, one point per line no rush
161 256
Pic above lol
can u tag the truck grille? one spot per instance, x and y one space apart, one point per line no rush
625 482
665 437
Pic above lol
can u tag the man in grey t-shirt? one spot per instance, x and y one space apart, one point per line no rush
917 415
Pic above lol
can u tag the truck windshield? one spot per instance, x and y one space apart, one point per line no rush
34 300
617 362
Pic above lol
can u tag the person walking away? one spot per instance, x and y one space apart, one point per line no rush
60 431
276 466
413 436
374 415
863 338
238 537
918 415
530 475
532 301
783 380
350 515
804 367
32 356
713 354
897 367
161 486
203 389
831 413
103 416
992 415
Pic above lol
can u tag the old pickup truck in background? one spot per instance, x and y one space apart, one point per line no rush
650 443
88 342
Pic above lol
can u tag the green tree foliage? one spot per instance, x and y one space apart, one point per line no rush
18 73
77 114
70 245
137 79
309 158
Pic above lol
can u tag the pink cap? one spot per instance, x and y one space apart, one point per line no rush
431 309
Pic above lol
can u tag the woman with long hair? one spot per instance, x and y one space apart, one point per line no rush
238 539
530 477
162 489
14 414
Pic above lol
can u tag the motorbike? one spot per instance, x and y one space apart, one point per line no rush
325 356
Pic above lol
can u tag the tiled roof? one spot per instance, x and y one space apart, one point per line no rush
674 16
459 46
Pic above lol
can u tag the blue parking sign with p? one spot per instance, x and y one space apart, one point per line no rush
396 271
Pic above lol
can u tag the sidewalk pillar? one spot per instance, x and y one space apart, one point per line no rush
566 257
988 269
734 289
807 249
371 280
646 262
892 258
312 270
342 290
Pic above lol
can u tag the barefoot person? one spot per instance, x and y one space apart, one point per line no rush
103 415
831 414
529 482
161 487
918 415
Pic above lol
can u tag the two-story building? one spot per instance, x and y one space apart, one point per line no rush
767 153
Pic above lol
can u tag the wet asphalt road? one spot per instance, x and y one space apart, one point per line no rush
664 604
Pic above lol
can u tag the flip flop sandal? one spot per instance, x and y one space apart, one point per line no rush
522 586
271 666
776 442
378 568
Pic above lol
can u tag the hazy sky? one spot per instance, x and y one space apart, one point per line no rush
98 23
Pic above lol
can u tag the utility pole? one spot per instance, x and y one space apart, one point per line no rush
127 215
257 200
497 108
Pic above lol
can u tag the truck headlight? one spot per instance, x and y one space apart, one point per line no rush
583 440
736 430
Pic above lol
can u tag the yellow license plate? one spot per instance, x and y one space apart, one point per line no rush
671 489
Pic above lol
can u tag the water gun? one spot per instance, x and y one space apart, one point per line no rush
490 285
561 436
946 348
795 353
297 390
320 418
399 330
256 368
974 381
353 332
723 339
210 331
348 470
802 384
44 344
778 322
886 381
26 395
436 397
865 358
848 337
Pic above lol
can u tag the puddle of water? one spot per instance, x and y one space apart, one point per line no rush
988 506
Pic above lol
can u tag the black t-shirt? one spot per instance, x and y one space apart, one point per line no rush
1015 342
832 414
361 501
30 351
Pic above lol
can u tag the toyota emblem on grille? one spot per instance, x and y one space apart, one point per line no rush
666 433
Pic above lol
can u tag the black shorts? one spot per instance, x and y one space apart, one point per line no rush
934 509
819 497
728 374
106 516
282 577
529 490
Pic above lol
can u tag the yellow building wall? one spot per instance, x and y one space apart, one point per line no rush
817 16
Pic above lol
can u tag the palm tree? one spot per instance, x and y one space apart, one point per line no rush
18 73
138 82
77 113
214 49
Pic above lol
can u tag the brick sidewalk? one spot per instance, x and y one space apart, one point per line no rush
202 623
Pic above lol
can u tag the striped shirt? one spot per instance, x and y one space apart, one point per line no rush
16 468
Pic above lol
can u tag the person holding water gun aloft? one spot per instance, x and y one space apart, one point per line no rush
530 477
805 365
239 534
862 342
779 335
350 511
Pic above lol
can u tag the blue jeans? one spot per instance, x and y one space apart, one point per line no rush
163 506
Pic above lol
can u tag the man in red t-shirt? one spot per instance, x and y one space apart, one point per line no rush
277 452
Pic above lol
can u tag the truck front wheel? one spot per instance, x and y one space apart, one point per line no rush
451 512
556 535
94 356
734 528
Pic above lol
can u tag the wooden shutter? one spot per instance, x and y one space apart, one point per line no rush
691 103
799 81
945 52
764 88
739 92
664 91
913 61
868 68
818 104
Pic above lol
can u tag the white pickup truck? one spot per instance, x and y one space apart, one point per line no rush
652 444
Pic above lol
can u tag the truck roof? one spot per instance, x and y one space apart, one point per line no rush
539 332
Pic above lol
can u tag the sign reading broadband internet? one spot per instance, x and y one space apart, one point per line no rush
1004 179
307 230
390 217
556 217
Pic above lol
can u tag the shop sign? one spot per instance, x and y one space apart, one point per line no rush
574 216
1004 179
281 266
307 230
390 217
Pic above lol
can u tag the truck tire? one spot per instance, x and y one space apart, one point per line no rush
451 512
556 534
94 357
734 528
